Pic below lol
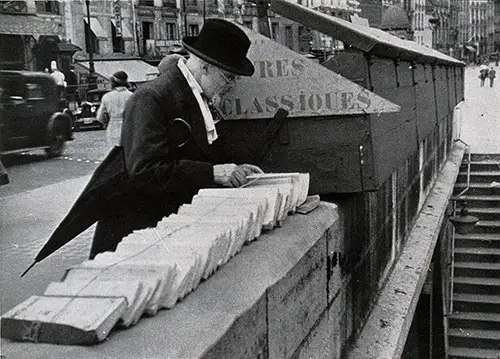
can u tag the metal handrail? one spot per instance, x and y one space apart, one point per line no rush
455 199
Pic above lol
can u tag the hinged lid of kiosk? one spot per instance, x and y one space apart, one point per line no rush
304 88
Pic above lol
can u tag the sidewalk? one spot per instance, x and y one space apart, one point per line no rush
479 115
26 222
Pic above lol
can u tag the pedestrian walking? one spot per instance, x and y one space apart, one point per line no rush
110 112
491 75
161 176
59 79
483 73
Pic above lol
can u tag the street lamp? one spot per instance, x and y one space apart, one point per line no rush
92 79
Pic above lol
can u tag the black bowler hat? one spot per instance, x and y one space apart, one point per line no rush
119 78
223 44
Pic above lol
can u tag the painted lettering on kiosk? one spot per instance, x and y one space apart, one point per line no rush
288 80
319 104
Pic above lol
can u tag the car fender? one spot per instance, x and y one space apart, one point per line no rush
63 118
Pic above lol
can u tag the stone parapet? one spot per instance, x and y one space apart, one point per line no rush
269 301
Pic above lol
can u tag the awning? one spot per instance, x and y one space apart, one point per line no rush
68 47
470 48
126 33
367 39
96 27
137 70
28 25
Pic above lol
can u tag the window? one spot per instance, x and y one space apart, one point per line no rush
34 91
147 30
147 2
275 30
170 4
193 30
289 37
13 6
47 7
118 45
171 31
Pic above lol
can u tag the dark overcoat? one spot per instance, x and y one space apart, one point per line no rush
160 182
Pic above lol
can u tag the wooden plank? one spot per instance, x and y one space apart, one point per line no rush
63 320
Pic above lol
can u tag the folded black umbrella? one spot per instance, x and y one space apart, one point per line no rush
108 188
109 184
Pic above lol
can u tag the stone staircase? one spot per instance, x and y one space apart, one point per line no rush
474 325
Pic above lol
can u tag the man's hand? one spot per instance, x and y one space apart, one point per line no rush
231 175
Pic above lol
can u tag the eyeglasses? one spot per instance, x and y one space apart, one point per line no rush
228 78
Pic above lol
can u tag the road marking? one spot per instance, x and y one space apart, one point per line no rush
86 160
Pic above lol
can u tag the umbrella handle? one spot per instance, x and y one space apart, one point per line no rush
187 126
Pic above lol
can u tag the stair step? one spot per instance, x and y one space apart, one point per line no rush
479 176
476 280
474 338
488 165
475 333
480 173
478 298
479 236
481 240
483 157
474 320
478 250
477 254
487 226
472 353
485 213
489 223
476 303
477 188
477 269
481 200
479 285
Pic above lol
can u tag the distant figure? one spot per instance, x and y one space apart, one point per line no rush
112 106
57 75
59 78
491 75
71 88
483 73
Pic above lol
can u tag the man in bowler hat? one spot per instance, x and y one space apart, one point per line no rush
163 176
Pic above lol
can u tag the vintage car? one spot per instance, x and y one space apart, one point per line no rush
32 114
84 117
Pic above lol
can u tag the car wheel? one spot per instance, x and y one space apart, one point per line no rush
56 146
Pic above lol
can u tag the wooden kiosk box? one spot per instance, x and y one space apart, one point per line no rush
352 120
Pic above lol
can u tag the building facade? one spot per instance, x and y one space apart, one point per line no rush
32 34
475 28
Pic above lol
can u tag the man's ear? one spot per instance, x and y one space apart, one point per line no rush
205 67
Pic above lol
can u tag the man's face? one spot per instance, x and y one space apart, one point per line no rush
216 81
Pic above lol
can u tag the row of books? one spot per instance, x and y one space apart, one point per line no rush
156 267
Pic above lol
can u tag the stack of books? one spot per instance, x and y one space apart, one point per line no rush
154 268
